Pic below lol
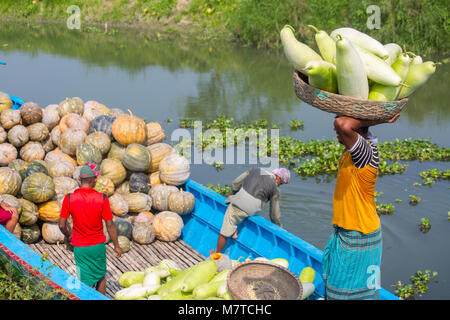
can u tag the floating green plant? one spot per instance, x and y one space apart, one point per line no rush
383 208
418 286
296 125
412 149
223 190
424 225
218 165
414 200
431 176
312 158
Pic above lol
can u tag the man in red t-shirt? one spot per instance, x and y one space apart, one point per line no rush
88 209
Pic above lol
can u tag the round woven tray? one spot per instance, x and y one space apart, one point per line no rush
344 105
260 280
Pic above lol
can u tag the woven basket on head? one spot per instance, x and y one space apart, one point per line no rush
344 105
260 280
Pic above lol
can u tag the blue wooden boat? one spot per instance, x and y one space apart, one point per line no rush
17 102
258 237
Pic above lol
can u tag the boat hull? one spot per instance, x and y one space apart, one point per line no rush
258 237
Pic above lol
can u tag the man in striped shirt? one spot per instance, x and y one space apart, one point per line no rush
352 257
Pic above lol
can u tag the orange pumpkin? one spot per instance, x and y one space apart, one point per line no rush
128 129
154 179
49 211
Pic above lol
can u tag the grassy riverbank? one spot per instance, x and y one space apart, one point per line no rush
420 25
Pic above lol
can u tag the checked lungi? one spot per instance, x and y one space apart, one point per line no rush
351 265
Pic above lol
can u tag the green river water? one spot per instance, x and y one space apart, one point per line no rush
175 79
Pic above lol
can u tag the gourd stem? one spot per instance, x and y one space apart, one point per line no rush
290 27
315 29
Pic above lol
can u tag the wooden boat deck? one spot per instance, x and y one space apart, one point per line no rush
137 258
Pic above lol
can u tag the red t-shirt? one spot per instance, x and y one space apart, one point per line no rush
88 209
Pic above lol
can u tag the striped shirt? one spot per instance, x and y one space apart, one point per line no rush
364 153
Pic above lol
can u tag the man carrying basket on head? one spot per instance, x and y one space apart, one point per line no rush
352 257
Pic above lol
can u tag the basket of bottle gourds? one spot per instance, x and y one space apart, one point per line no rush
354 75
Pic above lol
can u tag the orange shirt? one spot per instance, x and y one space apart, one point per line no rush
353 200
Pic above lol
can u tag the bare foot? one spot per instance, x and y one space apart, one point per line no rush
234 236
212 252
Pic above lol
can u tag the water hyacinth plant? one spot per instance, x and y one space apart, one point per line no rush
418 286
431 176
424 225
223 190
414 200
383 208
312 158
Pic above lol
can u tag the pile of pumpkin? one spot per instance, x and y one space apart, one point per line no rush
43 149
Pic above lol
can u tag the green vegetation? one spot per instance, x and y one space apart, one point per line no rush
15 286
383 208
431 176
223 190
417 287
419 25
414 200
316 157
424 225
296 125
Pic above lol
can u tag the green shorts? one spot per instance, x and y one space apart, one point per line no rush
91 263
233 217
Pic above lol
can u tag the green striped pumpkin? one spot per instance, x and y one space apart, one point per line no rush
124 243
104 185
136 158
138 202
30 214
30 234
87 152
35 166
10 181
38 188
19 166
